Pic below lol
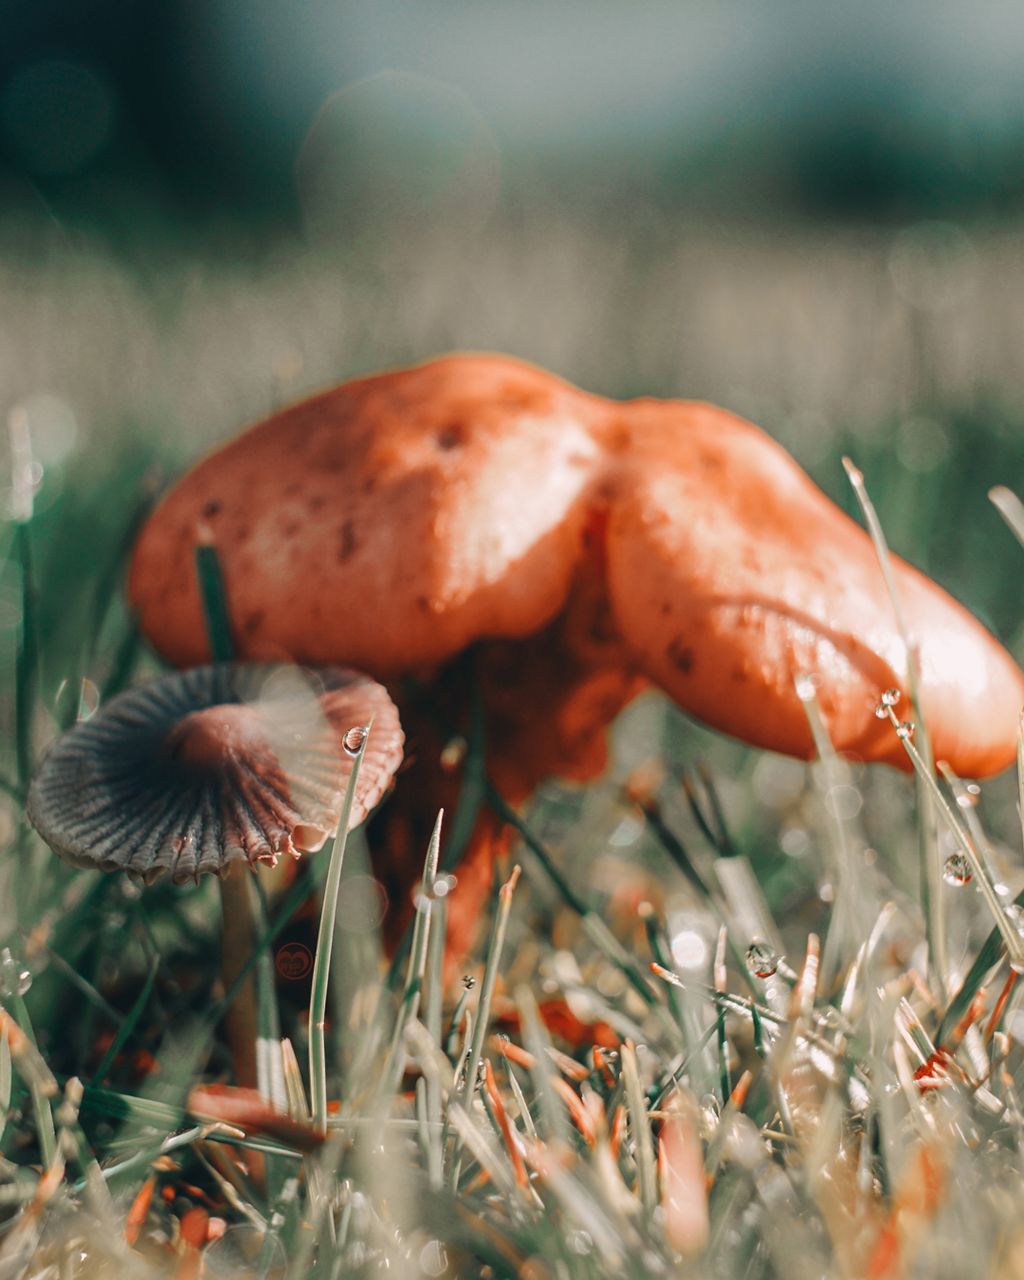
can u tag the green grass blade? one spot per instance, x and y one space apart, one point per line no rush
640 1127
213 593
324 948
928 845
128 1025
413 990
26 668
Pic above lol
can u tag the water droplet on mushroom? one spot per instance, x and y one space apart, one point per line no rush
762 960
15 978
905 731
957 870
891 697
354 739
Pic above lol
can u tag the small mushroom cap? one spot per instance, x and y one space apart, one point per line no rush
730 574
191 773
395 519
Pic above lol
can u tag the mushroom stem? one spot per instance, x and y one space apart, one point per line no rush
239 939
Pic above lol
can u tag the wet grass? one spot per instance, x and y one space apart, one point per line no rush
703 1032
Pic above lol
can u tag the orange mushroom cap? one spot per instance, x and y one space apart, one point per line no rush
730 574
399 519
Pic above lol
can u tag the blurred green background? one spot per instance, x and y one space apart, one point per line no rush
812 217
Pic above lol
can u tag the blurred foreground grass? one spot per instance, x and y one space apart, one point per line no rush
819 1115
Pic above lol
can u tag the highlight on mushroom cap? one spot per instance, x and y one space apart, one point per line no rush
194 772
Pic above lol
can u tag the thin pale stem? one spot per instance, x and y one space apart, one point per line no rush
238 941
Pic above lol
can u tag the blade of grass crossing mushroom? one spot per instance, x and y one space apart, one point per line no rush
1011 936
473 788
324 947
483 1013
928 844
1010 508
215 607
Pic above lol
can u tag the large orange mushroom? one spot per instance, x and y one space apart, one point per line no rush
574 549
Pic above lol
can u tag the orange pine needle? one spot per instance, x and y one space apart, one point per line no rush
136 1215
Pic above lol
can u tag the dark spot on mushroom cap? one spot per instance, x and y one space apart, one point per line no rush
348 542
682 656
451 436
193 772
253 620
212 508
290 529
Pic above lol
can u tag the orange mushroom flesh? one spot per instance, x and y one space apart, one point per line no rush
579 548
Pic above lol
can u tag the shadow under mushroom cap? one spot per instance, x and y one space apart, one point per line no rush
222 764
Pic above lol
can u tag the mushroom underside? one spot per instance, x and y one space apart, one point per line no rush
193 773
